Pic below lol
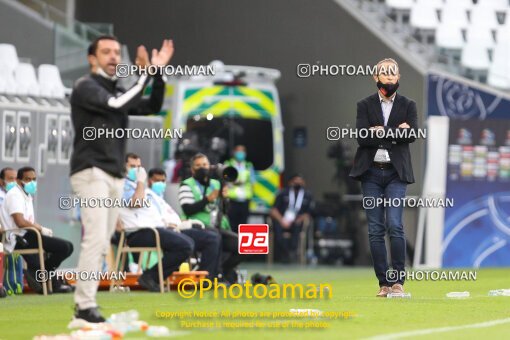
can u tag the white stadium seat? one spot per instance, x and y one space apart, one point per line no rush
467 4
7 83
423 16
484 16
474 57
50 82
499 71
26 81
433 3
8 56
499 5
480 36
449 37
400 4
453 16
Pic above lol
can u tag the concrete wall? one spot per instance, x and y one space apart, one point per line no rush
278 34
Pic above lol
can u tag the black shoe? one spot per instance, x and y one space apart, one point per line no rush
91 315
148 283
60 287
35 285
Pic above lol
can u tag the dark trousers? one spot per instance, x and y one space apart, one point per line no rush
230 256
57 250
286 248
379 183
176 248
238 213
208 243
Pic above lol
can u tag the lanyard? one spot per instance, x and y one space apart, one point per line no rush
293 203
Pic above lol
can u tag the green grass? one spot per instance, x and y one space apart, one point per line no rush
22 317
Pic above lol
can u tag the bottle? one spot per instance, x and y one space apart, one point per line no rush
458 295
499 292
157 331
398 296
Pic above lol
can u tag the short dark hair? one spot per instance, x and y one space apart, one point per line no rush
93 45
156 171
21 171
197 156
131 155
2 172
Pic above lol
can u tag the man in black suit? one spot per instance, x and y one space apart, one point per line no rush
383 165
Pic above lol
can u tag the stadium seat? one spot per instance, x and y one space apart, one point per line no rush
450 42
433 3
424 20
26 81
453 16
8 56
400 8
7 82
465 4
499 71
480 36
484 16
50 82
475 60
498 5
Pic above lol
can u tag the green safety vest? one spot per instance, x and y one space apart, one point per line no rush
242 189
204 216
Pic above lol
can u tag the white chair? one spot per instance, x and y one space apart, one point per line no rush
26 81
454 16
499 71
400 8
7 82
8 56
484 16
475 61
424 20
496 4
50 82
480 36
434 3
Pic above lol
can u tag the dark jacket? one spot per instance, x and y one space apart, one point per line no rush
97 102
370 114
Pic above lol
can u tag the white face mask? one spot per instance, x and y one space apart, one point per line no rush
103 74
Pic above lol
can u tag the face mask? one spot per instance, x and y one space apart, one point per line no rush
387 89
240 156
297 187
10 185
158 187
132 174
30 187
201 174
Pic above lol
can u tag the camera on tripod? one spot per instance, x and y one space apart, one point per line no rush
223 173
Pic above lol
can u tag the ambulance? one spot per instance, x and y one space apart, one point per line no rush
215 112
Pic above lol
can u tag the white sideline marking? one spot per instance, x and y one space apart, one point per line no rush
440 330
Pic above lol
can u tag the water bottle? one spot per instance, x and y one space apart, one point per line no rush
213 215
458 295
158 331
499 292
398 296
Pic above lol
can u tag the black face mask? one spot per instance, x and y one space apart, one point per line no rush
387 89
201 175
297 187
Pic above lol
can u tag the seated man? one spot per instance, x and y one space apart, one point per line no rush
292 206
198 197
176 246
207 242
7 182
18 212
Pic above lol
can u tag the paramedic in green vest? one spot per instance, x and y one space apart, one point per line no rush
199 199
241 191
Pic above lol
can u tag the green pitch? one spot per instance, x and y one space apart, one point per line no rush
22 317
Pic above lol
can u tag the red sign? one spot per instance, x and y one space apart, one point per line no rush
253 239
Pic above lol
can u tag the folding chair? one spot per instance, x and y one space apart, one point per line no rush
123 249
30 251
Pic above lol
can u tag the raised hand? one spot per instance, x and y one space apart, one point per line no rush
163 56
142 56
